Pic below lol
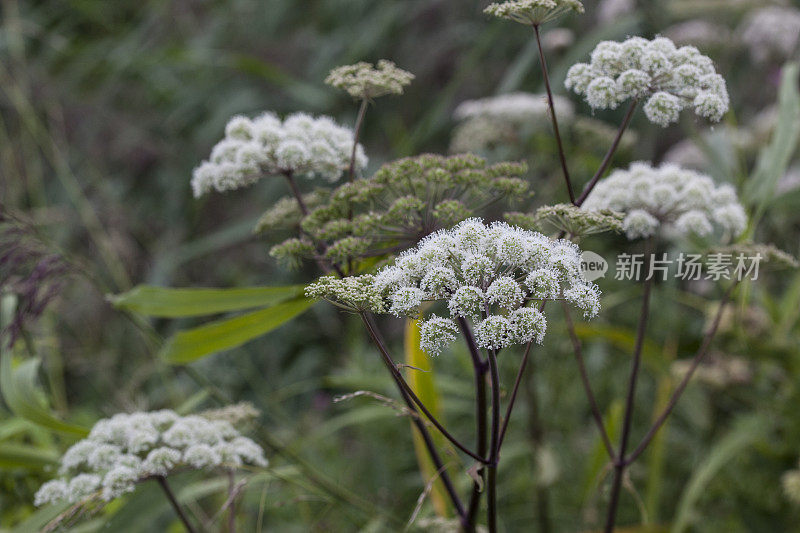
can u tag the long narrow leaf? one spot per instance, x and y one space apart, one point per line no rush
174 303
193 344
22 395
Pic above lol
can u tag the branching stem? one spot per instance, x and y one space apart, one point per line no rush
676 395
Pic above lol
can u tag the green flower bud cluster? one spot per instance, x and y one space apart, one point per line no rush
404 201
533 12
366 81
568 218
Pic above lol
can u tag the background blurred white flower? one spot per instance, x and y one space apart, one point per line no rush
685 201
771 32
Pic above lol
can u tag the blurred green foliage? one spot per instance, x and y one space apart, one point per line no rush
107 105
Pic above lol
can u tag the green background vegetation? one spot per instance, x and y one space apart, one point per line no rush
107 105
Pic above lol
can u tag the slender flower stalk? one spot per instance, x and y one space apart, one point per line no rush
426 437
162 482
289 175
587 386
494 446
514 391
556 132
609 155
392 366
362 111
619 462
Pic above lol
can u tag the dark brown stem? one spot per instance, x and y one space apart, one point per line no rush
480 368
619 463
587 386
536 431
418 423
231 502
296 192
162 481
411 394
351 171
494 448
514 392
328 266
676 395
517 382
546 76
609 155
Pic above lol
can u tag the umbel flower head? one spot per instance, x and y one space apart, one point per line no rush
576 221
486 274
533 12
404 201
365 81
685 201
671 79
266 146
126 449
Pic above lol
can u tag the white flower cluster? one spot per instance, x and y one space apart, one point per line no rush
684 201
125 449
670 78
265 146
365 81
533 12
515 108
771 32
486 274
